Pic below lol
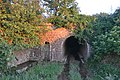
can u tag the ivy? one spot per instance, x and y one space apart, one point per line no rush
19 23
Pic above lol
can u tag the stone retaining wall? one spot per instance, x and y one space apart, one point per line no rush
49 52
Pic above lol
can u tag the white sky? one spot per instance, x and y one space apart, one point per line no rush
90 7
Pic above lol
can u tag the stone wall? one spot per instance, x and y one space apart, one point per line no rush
57 50
20 57
48 52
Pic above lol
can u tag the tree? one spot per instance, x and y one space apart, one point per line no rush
62 12
19 22
83 28
105 37
116 17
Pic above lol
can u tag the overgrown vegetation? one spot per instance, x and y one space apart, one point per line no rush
102 32
43 71
105 37
51 70
5 56
19 29
62 13
19 23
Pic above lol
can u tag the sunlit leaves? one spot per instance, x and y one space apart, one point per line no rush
20 23
62 13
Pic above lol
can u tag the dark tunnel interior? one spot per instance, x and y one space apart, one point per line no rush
72 47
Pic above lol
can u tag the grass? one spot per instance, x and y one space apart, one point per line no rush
74 74
106 69
104 72
44 71
50 71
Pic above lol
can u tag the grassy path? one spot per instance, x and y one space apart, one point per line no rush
104 70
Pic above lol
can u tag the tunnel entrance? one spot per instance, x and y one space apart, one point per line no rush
79 50
72 47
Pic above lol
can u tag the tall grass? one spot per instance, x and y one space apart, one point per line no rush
51 70
44 71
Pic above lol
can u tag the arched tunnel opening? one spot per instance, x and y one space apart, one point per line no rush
72 47
77 49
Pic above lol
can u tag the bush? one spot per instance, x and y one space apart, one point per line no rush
19 24
102 31
104 36
107 43
5 55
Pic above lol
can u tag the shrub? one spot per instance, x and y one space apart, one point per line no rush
19 24
104 36
102 31
5 55
107 43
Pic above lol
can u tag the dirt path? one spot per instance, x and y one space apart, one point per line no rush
80 69
65 73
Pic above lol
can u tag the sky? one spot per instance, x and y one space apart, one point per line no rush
90 7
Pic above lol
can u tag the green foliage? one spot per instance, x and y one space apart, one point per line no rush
83 29
62 12
44 71
116 17
108 43
105 69
102 24
19 22
50 71
5 55
74 72
18 28
102 31
105 38
105 72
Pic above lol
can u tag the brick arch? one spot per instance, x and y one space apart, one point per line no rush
54 35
